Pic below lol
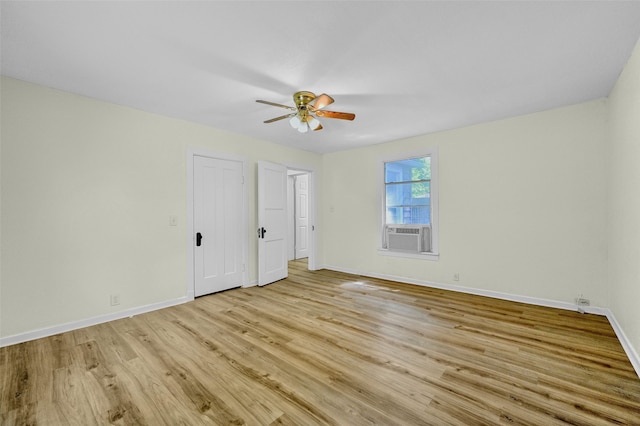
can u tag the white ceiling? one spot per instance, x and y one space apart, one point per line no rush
403 67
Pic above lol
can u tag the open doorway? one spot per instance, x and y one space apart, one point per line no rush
299 226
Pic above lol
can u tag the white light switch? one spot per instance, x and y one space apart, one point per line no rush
173 220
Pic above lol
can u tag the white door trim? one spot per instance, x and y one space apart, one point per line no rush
190 231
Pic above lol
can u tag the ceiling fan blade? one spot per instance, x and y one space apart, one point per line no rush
282 117
275 104
322 101
336 114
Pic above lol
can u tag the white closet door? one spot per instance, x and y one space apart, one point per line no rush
217 224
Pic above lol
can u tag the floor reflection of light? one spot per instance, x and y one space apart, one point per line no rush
364 285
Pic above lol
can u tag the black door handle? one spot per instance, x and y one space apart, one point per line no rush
198 239
261 232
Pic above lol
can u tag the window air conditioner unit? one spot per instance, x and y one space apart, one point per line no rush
408 238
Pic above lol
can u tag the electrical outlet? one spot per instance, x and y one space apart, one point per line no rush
115 299
456 277
581 301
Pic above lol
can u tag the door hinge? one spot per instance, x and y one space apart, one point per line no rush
242 180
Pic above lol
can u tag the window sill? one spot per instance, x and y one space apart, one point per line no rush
422 256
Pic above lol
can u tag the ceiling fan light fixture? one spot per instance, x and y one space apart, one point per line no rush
295 122
304 127
313 123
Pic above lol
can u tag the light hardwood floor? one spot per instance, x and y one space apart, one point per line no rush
327 348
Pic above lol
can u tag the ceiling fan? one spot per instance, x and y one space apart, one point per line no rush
307 110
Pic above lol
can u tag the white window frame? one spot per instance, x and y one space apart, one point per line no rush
434 254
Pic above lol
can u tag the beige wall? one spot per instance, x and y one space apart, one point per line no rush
624 200
522 206
87 191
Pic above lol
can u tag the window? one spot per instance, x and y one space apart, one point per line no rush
410 207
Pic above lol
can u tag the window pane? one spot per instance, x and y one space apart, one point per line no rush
408 203
408 216
408 170
408 194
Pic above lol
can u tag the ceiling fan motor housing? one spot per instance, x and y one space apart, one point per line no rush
303 98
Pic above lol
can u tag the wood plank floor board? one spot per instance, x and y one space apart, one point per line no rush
267 355
313 355
327 348
173 378
538 399
156 403
234 353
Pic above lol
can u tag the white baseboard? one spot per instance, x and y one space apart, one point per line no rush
57 329
624 341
